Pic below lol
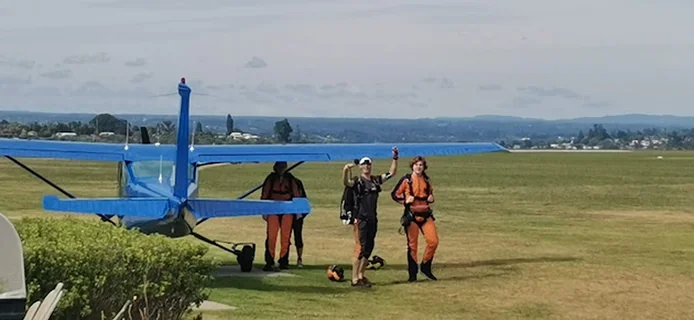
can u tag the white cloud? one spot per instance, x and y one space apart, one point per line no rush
626 56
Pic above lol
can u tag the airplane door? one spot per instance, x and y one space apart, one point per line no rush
122 180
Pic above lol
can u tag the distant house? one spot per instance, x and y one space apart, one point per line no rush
242 136
106 133
250 136
65 134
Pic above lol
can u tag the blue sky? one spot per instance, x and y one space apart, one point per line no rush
404 59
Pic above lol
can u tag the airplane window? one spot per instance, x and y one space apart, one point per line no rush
151 169
145 169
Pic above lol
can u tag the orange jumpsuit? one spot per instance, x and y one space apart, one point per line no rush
284 188
420 188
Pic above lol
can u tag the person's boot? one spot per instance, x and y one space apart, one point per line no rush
269 260
284 261
426 270
411 268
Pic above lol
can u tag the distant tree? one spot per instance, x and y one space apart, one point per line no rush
622 135
580 136
230 124
198 127
283 131
607 144
526 144
108 123
298 137
674 140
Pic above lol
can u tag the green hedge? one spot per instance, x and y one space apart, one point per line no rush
102 267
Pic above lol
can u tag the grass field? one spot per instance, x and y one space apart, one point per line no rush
522 235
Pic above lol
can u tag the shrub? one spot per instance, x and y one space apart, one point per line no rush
102 267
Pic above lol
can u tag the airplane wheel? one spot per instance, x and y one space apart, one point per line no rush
245 258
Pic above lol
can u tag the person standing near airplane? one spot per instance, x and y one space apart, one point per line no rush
415 192
298 226
278 185
367 188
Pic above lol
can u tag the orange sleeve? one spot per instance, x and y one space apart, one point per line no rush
400 190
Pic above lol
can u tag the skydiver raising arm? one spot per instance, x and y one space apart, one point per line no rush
366 220
346 179
393 167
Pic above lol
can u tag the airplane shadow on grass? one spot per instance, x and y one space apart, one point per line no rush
255 281
460 265
257 284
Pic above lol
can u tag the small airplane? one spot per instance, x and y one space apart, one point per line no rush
158 184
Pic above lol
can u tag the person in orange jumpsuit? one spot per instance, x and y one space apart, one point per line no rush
416 193
278 185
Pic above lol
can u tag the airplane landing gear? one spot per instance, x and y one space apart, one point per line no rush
245 256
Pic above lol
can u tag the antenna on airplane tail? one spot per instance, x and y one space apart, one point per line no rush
192 140
127 134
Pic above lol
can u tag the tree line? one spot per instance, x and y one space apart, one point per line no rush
595 136
108 128
599 137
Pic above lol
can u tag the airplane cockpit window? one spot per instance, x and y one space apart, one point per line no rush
149 169
152 169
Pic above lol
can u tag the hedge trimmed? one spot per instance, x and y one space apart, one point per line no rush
102 267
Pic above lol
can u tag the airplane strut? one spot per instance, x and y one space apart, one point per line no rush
55 186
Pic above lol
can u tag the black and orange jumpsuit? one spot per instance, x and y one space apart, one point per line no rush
284 188
419 187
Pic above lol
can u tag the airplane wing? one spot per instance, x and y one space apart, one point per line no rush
85 150
206 154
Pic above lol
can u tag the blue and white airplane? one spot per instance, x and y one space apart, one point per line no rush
159 183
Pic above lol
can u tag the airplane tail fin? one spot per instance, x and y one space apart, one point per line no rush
133 207
182 139
213 208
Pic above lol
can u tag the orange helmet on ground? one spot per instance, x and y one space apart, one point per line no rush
336 273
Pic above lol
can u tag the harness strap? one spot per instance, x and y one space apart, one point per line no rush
282 192
409 215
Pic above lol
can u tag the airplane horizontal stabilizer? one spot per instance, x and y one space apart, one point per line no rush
132 207
212 208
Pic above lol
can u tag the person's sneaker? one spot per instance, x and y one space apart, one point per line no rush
367 282
284 266
299 264
359 284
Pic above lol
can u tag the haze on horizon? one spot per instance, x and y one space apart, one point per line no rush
401 59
